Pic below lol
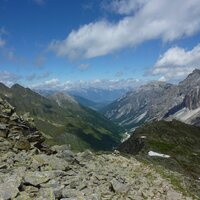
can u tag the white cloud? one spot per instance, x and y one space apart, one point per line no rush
52 82
162 78
177 63
153 19
9 78
55 84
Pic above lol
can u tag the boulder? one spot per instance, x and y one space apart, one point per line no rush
36 178
22 144
4 130
9 188
118 186
52 161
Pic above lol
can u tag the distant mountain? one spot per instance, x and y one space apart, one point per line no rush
98 95
91 104
179 141
149 102
158 100
45 93
63 120
94 98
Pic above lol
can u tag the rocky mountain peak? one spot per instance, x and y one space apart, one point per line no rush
3 86
4 89
196 71
17 86
192 80
192 99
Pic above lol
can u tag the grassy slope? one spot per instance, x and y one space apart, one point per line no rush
73 124
179 140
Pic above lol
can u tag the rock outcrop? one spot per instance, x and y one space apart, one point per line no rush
31 171
19 132
192 99
158 100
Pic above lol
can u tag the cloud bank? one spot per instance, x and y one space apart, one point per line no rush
55 84
144 20
9 78
177 63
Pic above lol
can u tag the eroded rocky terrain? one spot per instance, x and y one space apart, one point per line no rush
30 170
158 100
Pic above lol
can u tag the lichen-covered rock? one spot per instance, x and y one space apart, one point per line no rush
3 130
52 161
23 144
37 178
9 187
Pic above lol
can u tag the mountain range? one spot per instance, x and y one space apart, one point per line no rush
62 119
94 98
156 101
98 95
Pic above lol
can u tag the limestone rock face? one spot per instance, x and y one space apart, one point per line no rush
31 171
192 99
158 100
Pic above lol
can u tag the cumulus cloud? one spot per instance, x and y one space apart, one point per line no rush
51 84
152 19
55 84
9 78
177 63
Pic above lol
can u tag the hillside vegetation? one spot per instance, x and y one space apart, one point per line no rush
68 122
176 139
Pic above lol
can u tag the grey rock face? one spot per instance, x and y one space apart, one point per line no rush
37 178
145 104
157 100
192 99
9 187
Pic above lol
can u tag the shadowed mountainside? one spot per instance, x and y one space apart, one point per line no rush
68 122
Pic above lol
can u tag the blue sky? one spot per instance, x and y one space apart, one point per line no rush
60 44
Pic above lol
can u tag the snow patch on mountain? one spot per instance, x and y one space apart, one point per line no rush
153 153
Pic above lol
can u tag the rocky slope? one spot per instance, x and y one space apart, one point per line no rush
31 171
62 120
149 102
158 100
